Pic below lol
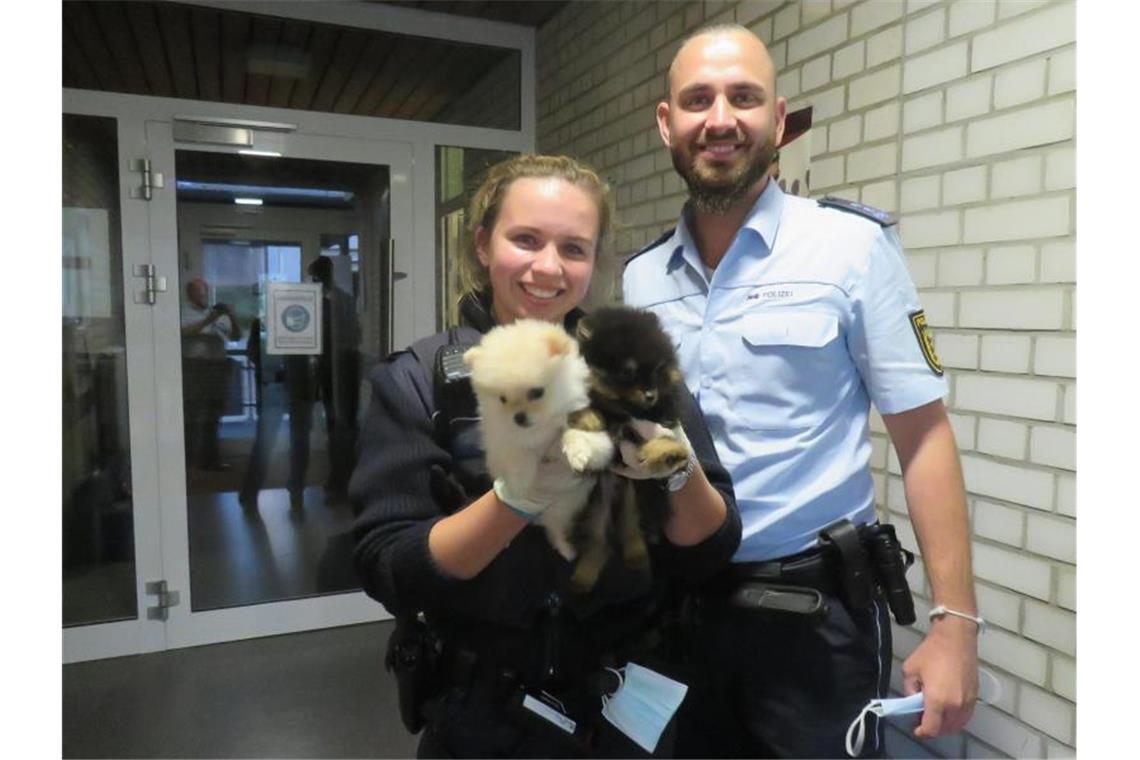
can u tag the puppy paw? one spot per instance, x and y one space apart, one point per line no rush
663 456
587 451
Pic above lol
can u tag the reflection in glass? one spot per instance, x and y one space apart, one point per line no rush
98 513
270 431
459 172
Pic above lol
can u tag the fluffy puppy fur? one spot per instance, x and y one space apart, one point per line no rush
528 377
633 374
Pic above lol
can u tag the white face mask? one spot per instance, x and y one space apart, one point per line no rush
904 705
643 704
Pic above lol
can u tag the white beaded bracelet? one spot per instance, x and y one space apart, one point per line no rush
942 609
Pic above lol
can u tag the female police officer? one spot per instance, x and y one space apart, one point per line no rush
433 537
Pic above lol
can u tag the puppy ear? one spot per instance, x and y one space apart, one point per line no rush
471 355
585 330
558 343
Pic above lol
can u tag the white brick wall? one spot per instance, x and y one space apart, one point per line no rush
959 115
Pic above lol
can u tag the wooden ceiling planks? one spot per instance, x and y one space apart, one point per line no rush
211 53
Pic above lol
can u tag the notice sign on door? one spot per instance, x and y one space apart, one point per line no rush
293 311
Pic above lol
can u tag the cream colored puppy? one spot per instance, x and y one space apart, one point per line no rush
528 378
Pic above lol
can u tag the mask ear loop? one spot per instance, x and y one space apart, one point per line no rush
856 731
621 683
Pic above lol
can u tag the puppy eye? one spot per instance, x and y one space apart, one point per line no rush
503 399
534 393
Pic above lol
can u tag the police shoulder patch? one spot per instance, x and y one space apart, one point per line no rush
877 215
925 340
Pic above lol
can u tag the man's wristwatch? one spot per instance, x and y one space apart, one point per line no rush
677 480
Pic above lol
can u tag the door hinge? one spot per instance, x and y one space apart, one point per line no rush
151 180
166 600
152 284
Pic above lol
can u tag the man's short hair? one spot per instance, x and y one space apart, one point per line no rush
722 27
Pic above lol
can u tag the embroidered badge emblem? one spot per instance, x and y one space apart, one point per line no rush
925 340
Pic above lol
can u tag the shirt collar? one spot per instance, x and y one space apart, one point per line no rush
763 219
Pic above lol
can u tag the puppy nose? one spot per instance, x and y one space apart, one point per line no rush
521 420
650 396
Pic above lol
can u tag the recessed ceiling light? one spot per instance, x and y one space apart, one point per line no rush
248 201
250 152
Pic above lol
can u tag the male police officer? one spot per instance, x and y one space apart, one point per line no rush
790 317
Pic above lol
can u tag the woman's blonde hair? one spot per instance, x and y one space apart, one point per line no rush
488 200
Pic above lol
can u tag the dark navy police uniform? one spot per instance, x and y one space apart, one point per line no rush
516 626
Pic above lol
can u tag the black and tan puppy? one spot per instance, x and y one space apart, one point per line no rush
633 375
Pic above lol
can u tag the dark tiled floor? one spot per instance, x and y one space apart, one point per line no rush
320 694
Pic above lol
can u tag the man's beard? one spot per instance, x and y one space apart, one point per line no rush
717 193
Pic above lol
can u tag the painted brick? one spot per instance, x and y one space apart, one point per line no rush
1051 626
885 46
881 122
788 83
960 267
1067 495
879 446
917 6
1028 127
844 134
848 61
786 22
922 112
956 350
964 185
1006 353
827 104
872 15
964 430
1058 262
1004 732
1034 33
943 65
1020 485
827 35
882 195
1064 681
1018 656
1011 264
1063 71
1056 356
874 88
1011 8
896 494
879 161
1053 715
1006 698
1054 446
1067 588
970 15
932 149
997 606
926 31
939 308
1057 750
1069 413
1061 169
930 230
1021 176
748 13
814 10
1023 309
815 73
968 99
998 523
1019 220
1020 84
919 193
827 172
1052 536
1002 438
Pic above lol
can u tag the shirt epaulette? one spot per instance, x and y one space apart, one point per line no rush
880 217
664 236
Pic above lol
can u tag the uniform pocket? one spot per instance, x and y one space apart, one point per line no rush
805 329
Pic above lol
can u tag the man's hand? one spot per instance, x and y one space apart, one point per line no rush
944 668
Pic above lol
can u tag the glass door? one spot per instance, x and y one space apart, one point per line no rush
109 540
284 267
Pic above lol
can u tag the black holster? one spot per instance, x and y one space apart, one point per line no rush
871 556
413 656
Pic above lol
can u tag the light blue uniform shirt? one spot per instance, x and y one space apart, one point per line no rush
810 316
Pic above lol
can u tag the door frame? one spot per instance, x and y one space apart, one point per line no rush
155 399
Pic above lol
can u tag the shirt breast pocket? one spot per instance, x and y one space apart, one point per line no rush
792 366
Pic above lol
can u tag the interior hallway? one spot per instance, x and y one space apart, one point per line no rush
316 694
